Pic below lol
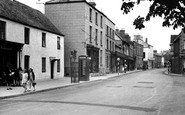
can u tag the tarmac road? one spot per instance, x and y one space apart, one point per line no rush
143 93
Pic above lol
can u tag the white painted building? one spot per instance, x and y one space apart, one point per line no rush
29 40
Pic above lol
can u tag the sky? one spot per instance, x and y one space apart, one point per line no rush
158 36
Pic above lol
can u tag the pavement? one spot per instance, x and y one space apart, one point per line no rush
49 84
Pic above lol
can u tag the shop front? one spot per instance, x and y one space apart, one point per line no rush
93 53
10 55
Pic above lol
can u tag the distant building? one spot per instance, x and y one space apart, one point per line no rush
178 49
87 30
138 55
29 40
158 60
148 57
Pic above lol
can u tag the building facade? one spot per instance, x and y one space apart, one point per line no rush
138 55
178 57
158 60
85 29
30 40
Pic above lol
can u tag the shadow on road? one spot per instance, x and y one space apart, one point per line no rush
144 109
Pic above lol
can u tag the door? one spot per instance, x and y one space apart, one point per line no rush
52 69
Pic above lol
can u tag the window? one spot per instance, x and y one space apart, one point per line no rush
107 44
90 15
101 21
90 34
96 18
101 38
26 62
101 57
96 36
110 46
58 66
26 35
107 31
43 64
43 39
2 30
58 43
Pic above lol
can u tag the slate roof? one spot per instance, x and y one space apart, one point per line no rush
173 37
21 13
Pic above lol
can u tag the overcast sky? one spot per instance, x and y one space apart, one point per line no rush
158 36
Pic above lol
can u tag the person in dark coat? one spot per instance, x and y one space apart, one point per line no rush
31 79
9 77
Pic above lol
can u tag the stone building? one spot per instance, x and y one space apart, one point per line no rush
29 40
87 30
158 60
138 55
178 57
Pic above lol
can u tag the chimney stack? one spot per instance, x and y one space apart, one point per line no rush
146 40
92 3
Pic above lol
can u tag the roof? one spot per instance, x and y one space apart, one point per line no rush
23 14
76 1
117 33
173 37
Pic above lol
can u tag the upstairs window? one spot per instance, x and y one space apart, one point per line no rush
2 30
101 38
43 39
58 43
101 21
90 34
26 35
96 36
90 15
96 18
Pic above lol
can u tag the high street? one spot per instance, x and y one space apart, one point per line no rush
143 93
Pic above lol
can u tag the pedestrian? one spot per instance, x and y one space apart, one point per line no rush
125 68
20 76
24 80
31 79
9 77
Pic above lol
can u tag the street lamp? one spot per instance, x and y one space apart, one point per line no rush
118 60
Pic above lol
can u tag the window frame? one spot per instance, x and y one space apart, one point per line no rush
58 65
43 64
26 35
58 43
43 39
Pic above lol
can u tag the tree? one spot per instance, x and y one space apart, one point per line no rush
172 11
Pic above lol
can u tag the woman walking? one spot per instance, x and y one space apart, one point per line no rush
24 80
31 79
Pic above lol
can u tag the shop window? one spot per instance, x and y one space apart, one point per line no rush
43 39
58 43
2 30
58 66
43 64
26 62
26 35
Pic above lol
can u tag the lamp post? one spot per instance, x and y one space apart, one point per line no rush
118 60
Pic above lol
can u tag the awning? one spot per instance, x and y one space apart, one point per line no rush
10 46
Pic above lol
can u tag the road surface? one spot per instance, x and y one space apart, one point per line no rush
144 93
